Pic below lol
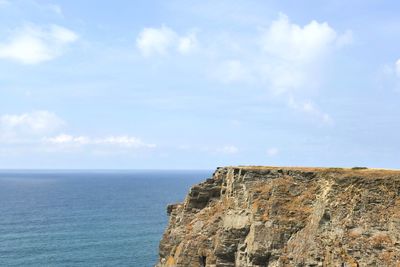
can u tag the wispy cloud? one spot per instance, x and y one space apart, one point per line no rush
33 44
124 141
22 126
389 75
56 9
164 40
41 130
307 107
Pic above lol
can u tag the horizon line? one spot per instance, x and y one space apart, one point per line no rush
105 169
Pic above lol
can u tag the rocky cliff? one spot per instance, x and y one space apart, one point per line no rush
268 216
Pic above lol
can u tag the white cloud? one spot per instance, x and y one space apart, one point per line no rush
160 41
155 41
120 141
293 54
15 126
39 131
309 108
389 76
292 42
32 44
273 151
67 139
391 70
287 60
229 149
187 44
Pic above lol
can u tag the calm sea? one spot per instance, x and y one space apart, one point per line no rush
87 218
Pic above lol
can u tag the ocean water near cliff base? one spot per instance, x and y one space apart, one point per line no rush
87 218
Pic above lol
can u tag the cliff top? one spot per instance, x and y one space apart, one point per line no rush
358 171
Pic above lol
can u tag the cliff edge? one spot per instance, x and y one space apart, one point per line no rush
272 216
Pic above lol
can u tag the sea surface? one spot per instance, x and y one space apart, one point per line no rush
87 218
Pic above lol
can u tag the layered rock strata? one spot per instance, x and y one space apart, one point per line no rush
269 216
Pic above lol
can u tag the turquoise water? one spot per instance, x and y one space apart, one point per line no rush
89 218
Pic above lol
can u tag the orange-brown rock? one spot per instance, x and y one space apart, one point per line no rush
270 216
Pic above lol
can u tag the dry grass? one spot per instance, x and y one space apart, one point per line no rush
380 240
355 233
344 172
389 258
276 193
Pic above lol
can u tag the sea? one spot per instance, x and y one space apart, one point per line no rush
87 218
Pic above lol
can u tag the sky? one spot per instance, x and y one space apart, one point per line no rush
199 84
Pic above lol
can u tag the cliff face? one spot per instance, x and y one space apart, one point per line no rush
265 216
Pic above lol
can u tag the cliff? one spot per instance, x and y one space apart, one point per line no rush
268 216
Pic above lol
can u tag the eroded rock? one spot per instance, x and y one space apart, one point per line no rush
266 216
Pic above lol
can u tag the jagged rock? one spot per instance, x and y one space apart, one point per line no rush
267 216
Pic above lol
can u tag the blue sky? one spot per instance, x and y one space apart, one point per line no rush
199 84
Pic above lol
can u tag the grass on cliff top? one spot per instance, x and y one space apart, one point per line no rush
357 171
